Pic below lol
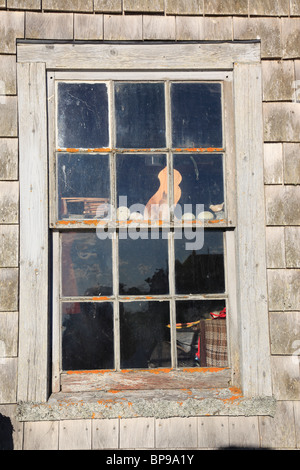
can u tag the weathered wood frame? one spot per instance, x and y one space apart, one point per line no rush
249 342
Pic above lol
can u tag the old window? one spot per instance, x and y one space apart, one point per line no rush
139 217
107 284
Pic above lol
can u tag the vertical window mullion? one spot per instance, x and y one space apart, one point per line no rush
172 295
56 322
170 232
113 233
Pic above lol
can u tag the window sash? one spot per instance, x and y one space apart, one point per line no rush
227 150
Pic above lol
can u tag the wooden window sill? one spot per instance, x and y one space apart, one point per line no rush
192 400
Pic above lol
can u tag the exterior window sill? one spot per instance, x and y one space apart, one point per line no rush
147 403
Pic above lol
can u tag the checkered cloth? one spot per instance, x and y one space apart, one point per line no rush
213 343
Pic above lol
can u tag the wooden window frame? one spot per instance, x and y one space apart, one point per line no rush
248 329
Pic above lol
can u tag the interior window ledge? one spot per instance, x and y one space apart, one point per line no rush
147 403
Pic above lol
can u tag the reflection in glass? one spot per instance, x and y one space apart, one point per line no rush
200 271
200 336
82 115
196 115
202 183
86 264
143 266
140 177
145 336
87 336
140 115
83 185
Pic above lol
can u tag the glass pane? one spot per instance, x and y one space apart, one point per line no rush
142 180
143 265
86 264
87 336
200 271
196 115
145 335
201 333
140 115
82 115
201 183
83 186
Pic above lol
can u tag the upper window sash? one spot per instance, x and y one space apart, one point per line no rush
166 78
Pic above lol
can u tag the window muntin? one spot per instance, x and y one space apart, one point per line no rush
98 176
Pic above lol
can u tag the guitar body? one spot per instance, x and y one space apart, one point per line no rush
157 207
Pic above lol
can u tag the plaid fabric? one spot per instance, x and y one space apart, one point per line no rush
215 337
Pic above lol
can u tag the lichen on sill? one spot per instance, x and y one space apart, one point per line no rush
147 403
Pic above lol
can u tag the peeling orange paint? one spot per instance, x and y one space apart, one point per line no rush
199 149
216 221
103 371
203 369
101 298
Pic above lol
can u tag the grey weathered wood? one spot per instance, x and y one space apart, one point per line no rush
11 28
233 317
285 333
273 163
189 28
213 432
105 433
118 28
8 334
159 28
137 433
176 432
56 318
275 247
7 75
282 205
88 27
278 79
75 435
9 281
9 202
49 26
276 117
41 435
284 289
279 431
290 37
9 246
268 30
68 5
8 116
145 380
285 374
243 432
8 379
297 422
251 253
33 344
9 159
217 28
139 56
291 159
292 247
